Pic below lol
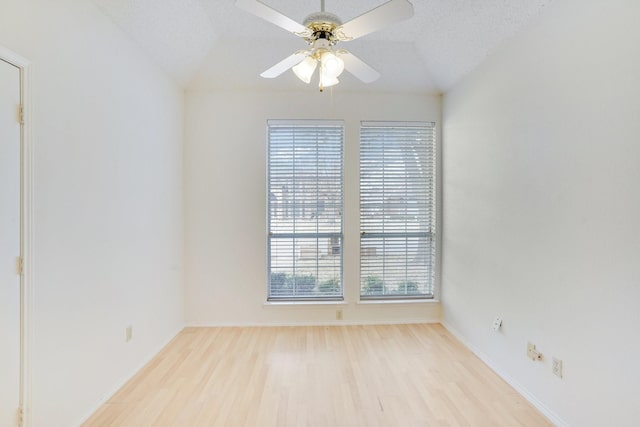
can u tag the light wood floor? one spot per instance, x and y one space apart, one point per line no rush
396 375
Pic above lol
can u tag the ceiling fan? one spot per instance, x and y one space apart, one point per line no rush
322 31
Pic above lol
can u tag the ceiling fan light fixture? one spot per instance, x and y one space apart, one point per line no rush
332 66
304 70
327 80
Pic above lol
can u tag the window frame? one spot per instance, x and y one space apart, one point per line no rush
318 235
433 212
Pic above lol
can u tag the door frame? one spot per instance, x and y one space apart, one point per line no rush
26 228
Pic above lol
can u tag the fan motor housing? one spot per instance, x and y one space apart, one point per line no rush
322 25
322 17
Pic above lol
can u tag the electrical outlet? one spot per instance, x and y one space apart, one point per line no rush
497 323
338 314
556 367
128 333
532 353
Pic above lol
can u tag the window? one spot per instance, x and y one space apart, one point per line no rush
397 215
305 183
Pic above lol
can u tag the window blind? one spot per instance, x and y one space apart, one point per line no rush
397 210
305 199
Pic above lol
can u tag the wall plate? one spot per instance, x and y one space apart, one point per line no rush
497 323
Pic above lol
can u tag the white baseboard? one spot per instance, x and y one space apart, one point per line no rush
126 378
205 324
546 411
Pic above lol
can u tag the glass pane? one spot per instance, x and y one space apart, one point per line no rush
396 266
305 267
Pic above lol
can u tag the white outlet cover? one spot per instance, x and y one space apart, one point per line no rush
497 323
556 367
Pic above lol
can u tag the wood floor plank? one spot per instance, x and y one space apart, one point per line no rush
388 375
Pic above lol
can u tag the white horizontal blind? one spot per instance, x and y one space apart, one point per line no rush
397 210
305 187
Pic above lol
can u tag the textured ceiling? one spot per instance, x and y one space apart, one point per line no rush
213 44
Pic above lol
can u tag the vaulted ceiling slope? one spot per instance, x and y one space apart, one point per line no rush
213 44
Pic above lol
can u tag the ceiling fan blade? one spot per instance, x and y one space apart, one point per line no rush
269 14
358 68
283 65
384 15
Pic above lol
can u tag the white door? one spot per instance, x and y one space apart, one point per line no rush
9 243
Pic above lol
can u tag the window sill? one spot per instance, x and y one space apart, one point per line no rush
398 301
299 304
303 303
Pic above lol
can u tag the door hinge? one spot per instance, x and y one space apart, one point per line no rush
19 265
19 416
21 114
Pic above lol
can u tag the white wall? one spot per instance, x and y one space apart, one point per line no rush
541 175
225 185
108 234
